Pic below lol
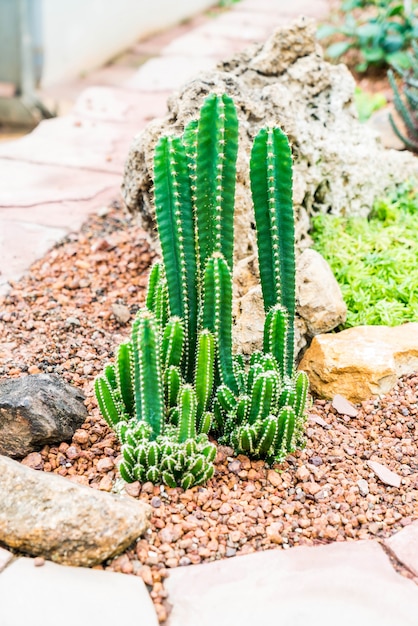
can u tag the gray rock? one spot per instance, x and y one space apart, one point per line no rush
339 165
37 410
45 514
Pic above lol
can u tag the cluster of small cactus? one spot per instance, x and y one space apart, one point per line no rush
177 379
407 107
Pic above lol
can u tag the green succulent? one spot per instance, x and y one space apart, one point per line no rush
177 378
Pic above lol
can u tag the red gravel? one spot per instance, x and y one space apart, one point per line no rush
59 319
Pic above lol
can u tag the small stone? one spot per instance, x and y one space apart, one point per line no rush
230 552
275 532
235 466
315 460
72 453
146 574
311 488
34 460
225 509
72 321
156 502
39 561
122 313
184 560
81 436
319 420
274 478
133 489
385 474
363 487
105 465
106 483
34 369
302 473
343 406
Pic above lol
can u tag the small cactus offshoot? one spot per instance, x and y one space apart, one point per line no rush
177 378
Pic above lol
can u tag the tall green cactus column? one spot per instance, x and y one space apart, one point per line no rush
271 186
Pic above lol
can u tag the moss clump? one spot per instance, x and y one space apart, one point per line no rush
375 259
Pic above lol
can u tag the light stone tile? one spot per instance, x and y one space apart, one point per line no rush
341 583
404 545
69 595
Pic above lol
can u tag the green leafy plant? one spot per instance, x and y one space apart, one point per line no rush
380 30
177 378
367 103
407 107
375 260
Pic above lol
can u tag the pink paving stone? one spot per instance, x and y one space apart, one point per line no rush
288 8
169 73
5 558
225 27
404 545
74 142
203 44
28 184
21 243
25 184
112 104
67 214
342 584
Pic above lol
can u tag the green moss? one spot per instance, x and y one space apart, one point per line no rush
375 259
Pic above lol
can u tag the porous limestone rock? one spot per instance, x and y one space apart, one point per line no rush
37 410
339 164
361 362
45 514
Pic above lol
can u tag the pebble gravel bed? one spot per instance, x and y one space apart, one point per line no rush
69 314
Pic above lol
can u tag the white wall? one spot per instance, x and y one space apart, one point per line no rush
79 35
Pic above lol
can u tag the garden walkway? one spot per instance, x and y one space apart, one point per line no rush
50 181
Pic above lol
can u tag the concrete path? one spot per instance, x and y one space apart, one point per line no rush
50 181
71 166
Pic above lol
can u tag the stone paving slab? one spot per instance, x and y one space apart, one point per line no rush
59 594
114 104
203 44
169 73
24 184
404 546
5 558
28 243
338 584
287 8
71 142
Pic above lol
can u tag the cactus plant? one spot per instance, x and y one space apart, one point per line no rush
177 378
407 107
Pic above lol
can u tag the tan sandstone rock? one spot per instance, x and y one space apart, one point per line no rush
45 514
361 362
320 305
319 299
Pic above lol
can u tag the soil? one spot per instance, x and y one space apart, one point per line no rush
59 319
